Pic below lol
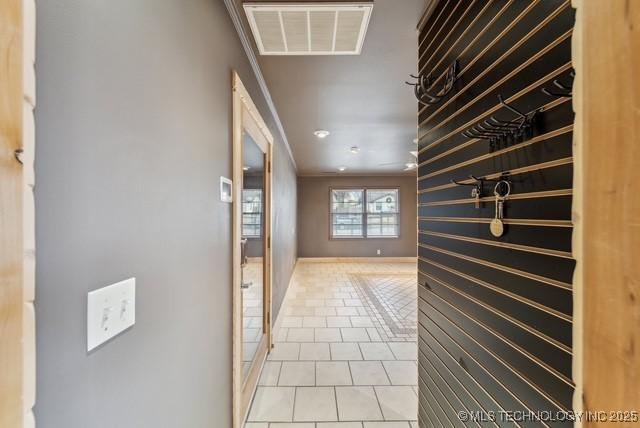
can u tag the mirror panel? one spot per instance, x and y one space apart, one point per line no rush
253 250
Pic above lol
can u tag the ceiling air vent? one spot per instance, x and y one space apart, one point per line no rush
309 28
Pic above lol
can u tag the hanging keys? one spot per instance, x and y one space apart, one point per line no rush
497 225
476 193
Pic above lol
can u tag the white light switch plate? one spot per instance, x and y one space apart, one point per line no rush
110 310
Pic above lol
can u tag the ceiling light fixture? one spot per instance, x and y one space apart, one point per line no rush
321 133
414 153
415 141
342 168
355 150
246 168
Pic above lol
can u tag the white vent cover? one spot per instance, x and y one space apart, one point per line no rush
309 28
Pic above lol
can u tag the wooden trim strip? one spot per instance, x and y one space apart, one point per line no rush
512 172
502 291
471 357
451 28
491 88
493 42
544 108
509 270
538 139
451 392
429 7
428 401
455 43
435 400
497 357
512 49
517 247
513 197
509 343
513 221
498 106
426 33
457 363
508 318
453 376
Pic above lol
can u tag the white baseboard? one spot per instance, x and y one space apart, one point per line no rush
358 259
276 325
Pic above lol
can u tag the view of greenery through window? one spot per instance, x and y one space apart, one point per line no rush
364 213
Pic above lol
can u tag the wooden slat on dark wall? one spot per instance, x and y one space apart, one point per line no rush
495 314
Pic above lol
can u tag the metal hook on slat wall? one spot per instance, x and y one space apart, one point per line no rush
424 84
478 185
502 132
566 91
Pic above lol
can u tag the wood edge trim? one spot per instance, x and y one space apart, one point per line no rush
496 39
534 140
495 108
513 221
497 312
505 364
471 357
532 276
517 247
551 105
428 11
530 168
512 197
567 381
444 25
499 290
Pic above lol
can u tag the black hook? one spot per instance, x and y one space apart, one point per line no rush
568 90
424 83
513 109
18 155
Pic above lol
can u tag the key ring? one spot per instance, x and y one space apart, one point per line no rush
497 194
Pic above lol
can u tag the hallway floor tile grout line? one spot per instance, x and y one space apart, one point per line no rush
342 357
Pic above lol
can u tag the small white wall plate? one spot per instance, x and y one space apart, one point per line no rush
226 190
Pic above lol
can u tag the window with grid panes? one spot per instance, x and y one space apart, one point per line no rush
252 213
364 213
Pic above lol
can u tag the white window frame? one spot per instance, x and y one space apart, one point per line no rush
364 214
259 213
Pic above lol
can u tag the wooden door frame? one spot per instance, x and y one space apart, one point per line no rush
17 213
246 116
606 56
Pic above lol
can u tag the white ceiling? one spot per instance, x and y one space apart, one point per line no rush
362 100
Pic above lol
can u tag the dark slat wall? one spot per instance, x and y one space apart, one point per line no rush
495 314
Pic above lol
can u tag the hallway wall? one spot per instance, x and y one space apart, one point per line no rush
496 310
313 218
133 131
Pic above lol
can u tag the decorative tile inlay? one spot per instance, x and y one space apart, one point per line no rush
391 303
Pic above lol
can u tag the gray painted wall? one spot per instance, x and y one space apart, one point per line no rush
133 131
313 219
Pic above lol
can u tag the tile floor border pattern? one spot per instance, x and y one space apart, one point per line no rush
380 309
343 376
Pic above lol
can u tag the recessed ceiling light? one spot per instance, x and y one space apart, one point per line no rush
354 150
342 168
246 168
321 133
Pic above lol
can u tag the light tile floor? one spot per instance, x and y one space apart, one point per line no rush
345 354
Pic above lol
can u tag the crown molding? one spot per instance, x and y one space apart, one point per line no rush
253 60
